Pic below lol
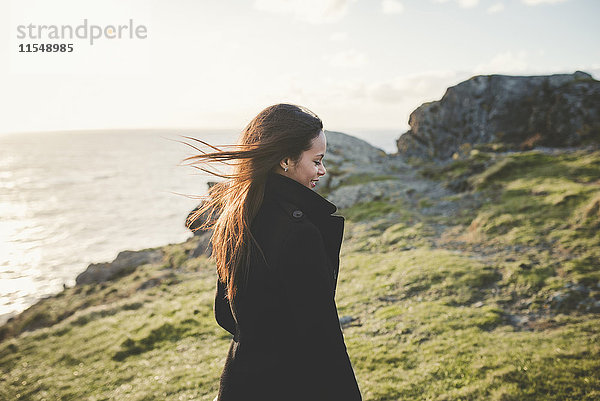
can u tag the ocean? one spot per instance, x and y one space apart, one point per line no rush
68 199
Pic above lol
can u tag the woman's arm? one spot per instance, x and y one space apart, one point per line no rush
318 347
222 310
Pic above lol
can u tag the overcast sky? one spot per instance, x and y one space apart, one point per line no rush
358 64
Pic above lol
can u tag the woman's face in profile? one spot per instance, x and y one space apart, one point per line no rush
310 167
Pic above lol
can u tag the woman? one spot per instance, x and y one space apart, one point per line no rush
276 247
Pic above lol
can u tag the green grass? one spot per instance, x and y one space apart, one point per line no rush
421 334
433 320
370 210
468 362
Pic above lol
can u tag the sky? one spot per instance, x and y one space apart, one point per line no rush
358 64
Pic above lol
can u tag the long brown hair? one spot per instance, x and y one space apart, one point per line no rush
277 132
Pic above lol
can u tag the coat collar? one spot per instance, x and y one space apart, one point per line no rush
307 200
292 196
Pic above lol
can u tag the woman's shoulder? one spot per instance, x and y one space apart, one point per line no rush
281 228
278 219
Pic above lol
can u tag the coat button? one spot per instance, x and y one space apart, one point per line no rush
297 213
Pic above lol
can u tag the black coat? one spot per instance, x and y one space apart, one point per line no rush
288 344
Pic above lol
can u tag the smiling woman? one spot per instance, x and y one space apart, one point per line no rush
276 245
309 167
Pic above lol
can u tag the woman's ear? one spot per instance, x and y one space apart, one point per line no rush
285 163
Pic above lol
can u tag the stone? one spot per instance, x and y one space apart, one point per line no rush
521 112
125 263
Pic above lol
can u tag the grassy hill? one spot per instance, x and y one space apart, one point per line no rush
499 300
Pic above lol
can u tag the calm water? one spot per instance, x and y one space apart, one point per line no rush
71 199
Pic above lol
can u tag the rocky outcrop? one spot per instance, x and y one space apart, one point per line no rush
520 112
204 246
193 222
125 263
348 156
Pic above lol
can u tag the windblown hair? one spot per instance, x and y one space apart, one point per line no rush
277 132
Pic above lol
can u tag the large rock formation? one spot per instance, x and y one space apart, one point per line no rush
125 263
517 111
